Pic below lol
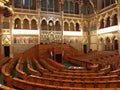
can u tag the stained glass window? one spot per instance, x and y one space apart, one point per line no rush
76 8
71 7
65 6
43 4
50 5
32 4
25 3
17 3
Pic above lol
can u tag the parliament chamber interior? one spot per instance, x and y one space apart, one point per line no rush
59 45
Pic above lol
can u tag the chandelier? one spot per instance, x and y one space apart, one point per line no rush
5 10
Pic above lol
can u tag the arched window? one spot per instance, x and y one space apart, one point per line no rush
50 5
107 46
66 28
44 25
25 24
43 5
107 2
112 1
17 24
102 4
17 3
108 22
71 7
71 27
57 26
33 25
26 4
56 6
77 27
76 8
33 4
115 20
66 6
102 23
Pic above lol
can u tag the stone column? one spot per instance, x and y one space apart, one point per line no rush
118 16
62 19
105 22
12 37
22 24
0 36
111 21
98 26
30 25
39 23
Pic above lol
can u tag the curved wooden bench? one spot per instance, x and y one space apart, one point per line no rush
19 69
75 83
39 67
3 87
26 85
31 70
3 61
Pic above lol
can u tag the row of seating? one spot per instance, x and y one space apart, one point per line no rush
75 83
32 73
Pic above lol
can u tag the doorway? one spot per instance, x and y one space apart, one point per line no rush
85 48
59 58
6 51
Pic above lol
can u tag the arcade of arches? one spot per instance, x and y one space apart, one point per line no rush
84 24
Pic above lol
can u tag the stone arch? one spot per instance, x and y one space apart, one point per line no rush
101 23
106 16
107 39
43 24
17 17
107 43
34 19
101 40
43 19
114 19
51 25
108 22
66 26
100 18
101 44
26 23
17 23
115 42
33 24
77 27
66 21
113 13
72 26
57 26
51 19
26 17
57 19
